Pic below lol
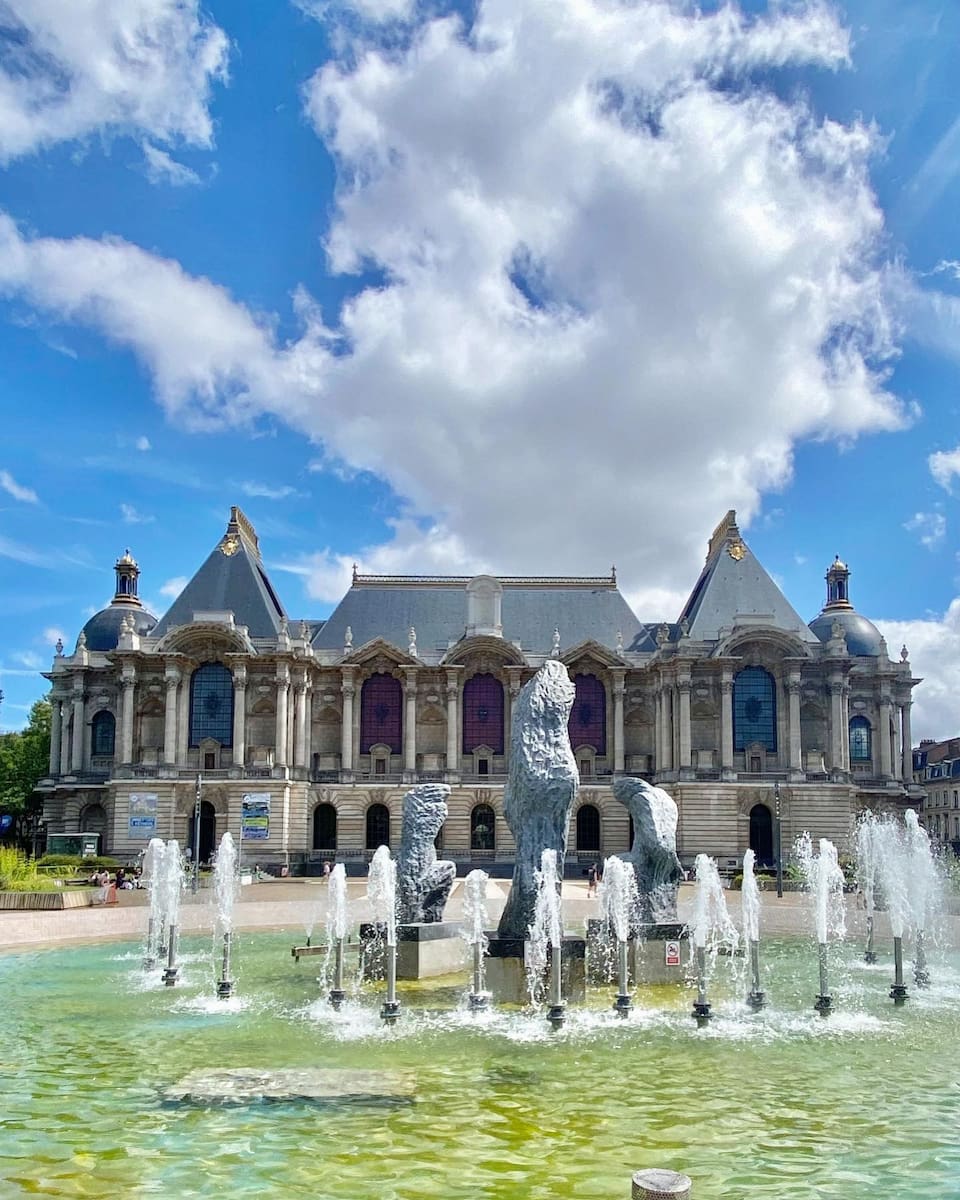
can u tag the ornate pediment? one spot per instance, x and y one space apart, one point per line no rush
206 641
587 655
379 655
494 651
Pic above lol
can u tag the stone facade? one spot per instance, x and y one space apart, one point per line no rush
736 709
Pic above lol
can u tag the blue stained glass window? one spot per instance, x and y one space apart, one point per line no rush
588 717
381 708
211 705
861 750
103 733
483 713
754 709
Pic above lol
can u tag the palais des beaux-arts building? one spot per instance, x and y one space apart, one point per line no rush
739 709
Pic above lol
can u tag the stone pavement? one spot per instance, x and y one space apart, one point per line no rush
291 903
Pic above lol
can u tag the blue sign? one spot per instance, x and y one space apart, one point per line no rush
142 819
5 822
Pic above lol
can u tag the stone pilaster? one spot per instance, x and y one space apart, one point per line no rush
56 732
795 764
347 689
129 681
684 684
183 719
657 729
453 723
410 722
883 737
239 714
906 743
172 681
283 691
79 726
300 742
836 723
619 688
726 724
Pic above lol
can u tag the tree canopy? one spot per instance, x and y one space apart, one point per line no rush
24 761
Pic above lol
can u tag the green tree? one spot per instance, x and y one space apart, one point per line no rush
24 761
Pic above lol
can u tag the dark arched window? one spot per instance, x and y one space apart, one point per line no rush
324 827
381 708
588 827
861 747
483 713
211 705
761 834
754 709
483 828
103 733
378 826
588 717
93 819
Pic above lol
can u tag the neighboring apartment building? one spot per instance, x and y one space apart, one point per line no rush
317 727
936 769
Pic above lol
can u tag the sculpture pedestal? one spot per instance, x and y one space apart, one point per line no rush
658 955
506 970
424 950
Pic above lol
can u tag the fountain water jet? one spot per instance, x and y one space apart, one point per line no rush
712 930
868 845
750 905
546 940
382 894
924 887
825 881
619 901
337 929
475 917
171 885
893 869
152 870
225 884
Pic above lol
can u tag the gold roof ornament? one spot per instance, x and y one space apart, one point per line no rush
230 545
736 549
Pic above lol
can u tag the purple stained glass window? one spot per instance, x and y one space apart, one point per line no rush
588 717
483 713
381 710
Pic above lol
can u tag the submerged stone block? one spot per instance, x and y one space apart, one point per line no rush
251 1085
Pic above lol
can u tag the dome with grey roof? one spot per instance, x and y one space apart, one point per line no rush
863 637
102 631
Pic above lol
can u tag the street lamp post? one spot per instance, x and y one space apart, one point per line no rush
195 882
778 815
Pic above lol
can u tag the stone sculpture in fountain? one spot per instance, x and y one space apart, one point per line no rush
654 851
541 786
423 881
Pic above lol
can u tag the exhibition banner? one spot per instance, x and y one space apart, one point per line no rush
142 820
255 816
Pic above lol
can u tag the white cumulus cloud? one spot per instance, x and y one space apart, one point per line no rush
930 528
944 465
933 644
620 279
162 168
173 587
132 516
69 68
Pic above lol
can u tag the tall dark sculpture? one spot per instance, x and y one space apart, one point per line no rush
541 786
423 881
654 851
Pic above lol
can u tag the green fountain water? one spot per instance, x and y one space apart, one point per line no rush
778 1104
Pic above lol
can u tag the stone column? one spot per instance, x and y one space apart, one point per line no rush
64 739
308 727
410 720
618 748
183 721
796 749
79 726
836 724
726 720
906 743
280 739
129 681
453 723
56 732
347 687
883 737
300 744
845 725
657 730
684 684
667 701
172 680
239 715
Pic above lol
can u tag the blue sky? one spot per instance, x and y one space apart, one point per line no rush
545 289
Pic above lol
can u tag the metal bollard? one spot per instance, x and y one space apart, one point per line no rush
657 1184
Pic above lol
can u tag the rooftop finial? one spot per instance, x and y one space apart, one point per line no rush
347 640
556 642
904 653
619 641
412 643
354 572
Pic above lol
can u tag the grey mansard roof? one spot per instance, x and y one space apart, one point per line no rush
734 585
530 611
232 579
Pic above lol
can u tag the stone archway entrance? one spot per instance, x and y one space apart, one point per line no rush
208 830
761 835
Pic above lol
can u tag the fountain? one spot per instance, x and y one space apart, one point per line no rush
619 902
225 885
750 906
475 914
546 941
171 885
713 931
825 881
868 855
893 869
151 875
924 890
337 929
382 894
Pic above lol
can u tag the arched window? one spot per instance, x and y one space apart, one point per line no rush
324 827
588 717
103 733
93 819
378 826
588 828
761 834
381 708
207 831
483 828
861 747
754 709
483 713
211 705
